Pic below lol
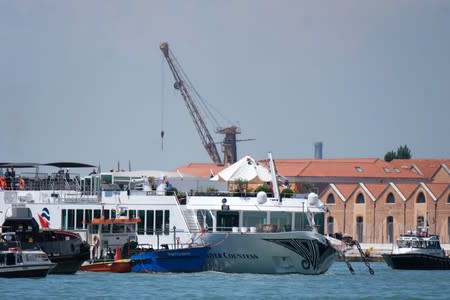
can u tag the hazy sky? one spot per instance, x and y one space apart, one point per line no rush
86 81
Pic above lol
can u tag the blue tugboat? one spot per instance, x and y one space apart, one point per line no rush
169 260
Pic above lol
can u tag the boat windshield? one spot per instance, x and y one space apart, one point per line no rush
419 244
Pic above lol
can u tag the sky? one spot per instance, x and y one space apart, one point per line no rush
85 81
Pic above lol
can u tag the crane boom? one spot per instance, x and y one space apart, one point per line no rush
182 83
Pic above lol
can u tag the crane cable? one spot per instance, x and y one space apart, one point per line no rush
162 103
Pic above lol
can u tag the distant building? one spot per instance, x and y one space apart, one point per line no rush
318 148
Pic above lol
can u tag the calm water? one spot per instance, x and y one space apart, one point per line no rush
337 283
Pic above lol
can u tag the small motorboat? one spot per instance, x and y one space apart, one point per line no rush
65 248
191 259
16 262
115 266
417 250
106 234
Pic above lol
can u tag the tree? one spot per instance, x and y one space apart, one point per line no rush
389 156
403 152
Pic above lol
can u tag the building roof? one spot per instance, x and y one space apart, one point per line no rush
412 169
425 167
199 169
406 189
376 189
359 168
346 189
438 188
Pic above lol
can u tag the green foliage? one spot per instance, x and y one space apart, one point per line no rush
403 152
287 193
306 187
264 188
211 190
389 156
241 184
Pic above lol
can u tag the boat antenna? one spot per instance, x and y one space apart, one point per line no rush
129 165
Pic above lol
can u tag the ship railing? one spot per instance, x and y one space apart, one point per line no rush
43 181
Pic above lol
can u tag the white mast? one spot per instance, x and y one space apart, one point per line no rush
276 191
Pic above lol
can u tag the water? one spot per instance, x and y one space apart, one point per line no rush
337 283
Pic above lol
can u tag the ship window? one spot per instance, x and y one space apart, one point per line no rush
253 218
88 216
106 213
205 220
158 221
63 219
113 213
141 225
118 228
79 219
106 228
301 221
106 179
131 228
150 222
330 199
10 259
330 225
166 222
70 218
283 220
420 198
360 198
97 213
390 198
132 214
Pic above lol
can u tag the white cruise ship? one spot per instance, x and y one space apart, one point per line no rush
248 233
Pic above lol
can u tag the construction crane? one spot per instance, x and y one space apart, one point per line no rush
191 98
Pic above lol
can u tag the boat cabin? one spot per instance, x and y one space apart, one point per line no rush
106 235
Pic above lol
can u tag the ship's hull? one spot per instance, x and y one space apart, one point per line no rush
300 252
25 271
173 260
417 261
68 264
115 266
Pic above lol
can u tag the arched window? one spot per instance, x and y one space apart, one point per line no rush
390 198
330 225
330 199
390 229
420 198
360 229
360 198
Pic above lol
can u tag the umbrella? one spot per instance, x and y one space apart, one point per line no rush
246 169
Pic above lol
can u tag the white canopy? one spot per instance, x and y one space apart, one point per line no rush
246 169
